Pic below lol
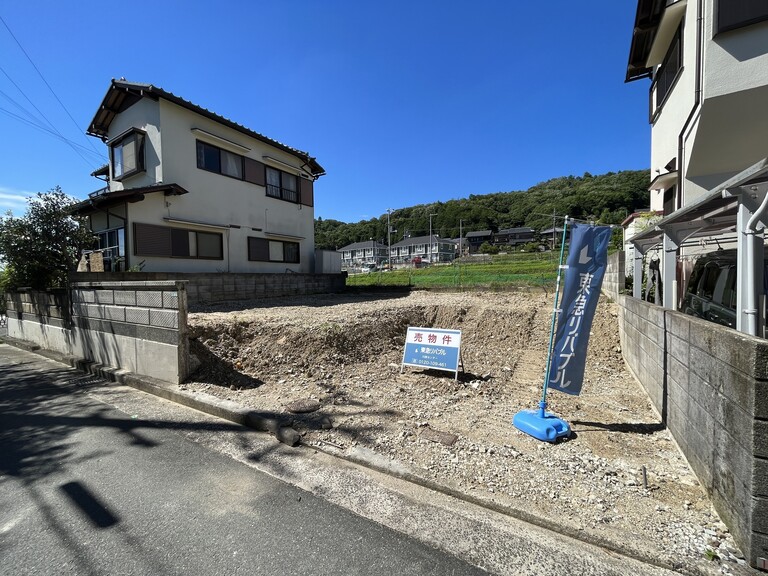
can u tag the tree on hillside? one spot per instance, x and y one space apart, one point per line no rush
40 247
606 198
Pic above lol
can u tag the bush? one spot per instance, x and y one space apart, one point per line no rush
40 247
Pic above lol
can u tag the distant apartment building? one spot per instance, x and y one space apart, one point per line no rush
362 253
408 249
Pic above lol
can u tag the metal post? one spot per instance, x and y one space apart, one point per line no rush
389 241
430 237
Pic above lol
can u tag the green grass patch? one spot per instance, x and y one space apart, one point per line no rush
498 273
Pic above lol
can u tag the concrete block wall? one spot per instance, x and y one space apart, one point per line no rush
208 288
615 277
140 326
711 388
40 317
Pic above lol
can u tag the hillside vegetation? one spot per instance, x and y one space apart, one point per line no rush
606 199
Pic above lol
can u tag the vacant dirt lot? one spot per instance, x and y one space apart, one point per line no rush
344 353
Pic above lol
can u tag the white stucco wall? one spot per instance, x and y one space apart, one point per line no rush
144 115
242 207
736 60
727 130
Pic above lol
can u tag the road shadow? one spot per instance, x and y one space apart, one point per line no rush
42 411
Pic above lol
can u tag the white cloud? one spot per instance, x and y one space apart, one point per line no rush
13 200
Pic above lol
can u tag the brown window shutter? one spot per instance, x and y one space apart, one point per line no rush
179 242
151 240
307 192
258 249
254 172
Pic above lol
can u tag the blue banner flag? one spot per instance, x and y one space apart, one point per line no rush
587 260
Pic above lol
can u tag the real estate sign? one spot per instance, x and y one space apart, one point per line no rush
432 348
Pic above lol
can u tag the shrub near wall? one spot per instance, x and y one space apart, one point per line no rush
710 384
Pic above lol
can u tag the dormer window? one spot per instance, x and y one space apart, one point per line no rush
127 152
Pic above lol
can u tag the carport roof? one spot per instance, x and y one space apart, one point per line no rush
714 213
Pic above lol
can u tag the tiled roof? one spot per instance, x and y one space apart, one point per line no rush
104 197
515 230
363 246
420 240
122 94
479 234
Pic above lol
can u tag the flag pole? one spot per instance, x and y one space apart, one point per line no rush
541 424
555 311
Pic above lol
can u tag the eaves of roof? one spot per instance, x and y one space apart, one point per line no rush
123 94
98 200
647 19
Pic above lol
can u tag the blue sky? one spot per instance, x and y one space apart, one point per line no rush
402 102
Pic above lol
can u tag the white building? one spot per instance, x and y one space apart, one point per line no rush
418 247
191 191
708 65
360 253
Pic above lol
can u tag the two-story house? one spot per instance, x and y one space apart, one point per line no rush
478 238
191 191
707 61
513 237
419 248
360 253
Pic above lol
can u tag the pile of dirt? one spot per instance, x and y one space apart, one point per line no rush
619 478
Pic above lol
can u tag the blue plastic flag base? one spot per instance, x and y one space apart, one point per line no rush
542 425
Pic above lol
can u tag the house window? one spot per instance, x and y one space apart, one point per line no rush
282 185
263 250
732 14
112 245
164 241
667 73
215 159
127 153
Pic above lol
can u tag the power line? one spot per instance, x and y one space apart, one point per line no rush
56 135
54 129
46 83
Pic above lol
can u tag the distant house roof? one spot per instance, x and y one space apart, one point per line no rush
363 246
479 234
104 198
420 240
551 230
121 95
515 230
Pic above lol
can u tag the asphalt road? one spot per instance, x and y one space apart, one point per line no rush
88 489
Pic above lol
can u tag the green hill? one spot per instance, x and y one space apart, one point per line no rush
605 199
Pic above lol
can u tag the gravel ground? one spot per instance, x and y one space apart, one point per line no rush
619 479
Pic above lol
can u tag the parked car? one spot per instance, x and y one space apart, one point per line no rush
711 292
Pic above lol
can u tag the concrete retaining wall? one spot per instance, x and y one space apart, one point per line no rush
223 287
139 327
40 317
615 277
710 384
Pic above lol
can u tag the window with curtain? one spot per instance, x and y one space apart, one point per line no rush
127 153
264 250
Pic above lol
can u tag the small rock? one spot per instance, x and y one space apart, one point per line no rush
303 406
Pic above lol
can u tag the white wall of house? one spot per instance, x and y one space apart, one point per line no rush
144 115
238 209
727 130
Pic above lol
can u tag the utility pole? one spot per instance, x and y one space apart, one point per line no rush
430 237
461 237
554 230
389 241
